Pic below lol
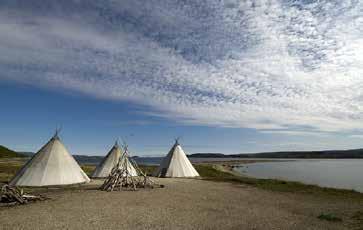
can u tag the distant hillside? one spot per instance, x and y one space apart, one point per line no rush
27 154
208 155
335 154
84 159
81 159
7 153
332 154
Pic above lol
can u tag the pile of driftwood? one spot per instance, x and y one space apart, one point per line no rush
14 195
122 176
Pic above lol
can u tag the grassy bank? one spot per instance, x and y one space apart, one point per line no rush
8 168
218 173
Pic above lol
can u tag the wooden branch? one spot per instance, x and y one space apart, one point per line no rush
9 195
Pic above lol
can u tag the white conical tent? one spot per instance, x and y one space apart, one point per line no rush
126 164
176 164
107 164
52 165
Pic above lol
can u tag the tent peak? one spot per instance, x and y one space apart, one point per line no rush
56 134
125 146
177 141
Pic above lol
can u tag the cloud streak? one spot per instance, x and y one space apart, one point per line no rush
276 64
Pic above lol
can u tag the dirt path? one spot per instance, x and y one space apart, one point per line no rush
182 204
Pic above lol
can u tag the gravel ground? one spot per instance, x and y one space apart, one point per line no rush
182 204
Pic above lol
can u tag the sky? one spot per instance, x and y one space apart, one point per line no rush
231 76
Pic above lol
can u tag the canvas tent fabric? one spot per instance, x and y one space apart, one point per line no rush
51 165
176 164
125 163
103 170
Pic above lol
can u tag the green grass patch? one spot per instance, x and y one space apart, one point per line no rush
88 169
213 172
357 219
358 216
329 217
8 169
148 169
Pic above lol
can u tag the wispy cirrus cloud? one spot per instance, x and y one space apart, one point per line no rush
276 64
294 132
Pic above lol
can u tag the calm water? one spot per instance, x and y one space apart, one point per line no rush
344 173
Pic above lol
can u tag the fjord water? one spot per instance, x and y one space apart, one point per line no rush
335 173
